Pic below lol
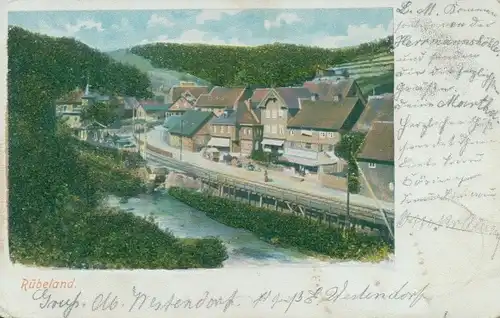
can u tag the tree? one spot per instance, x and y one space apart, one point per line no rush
347 149
104 113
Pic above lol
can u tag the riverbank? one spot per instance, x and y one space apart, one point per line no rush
82 231
287 230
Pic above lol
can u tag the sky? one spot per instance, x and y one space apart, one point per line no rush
111 30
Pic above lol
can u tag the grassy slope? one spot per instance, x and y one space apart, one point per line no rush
158 77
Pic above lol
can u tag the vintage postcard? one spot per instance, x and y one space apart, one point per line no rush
249 160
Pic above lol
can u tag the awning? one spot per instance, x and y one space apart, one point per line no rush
301 161
322 160
219 142
272 142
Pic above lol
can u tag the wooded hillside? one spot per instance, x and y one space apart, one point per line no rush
56 184
266 65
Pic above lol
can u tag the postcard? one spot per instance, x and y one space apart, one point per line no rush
240 159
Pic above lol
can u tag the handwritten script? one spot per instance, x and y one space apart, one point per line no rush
448 120
140 300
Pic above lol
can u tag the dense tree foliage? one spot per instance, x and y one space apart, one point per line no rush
104 113
286 229
266 65
57 184
347 149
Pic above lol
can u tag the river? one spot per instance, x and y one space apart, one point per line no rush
244 248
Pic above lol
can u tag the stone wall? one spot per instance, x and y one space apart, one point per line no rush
175 179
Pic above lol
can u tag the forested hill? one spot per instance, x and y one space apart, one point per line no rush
266 65
61 64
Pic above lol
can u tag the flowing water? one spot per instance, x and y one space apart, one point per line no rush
244 248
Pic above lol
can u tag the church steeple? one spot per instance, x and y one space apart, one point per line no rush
87 87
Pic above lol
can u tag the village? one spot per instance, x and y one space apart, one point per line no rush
285 136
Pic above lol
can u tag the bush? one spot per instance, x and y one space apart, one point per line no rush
285 229
114 239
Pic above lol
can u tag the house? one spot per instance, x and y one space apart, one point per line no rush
312 134
151 111
130 105
93 132
169 123
69 108
236 131
221 98
185 89
335 90
276 108
378 108
376 161
192 132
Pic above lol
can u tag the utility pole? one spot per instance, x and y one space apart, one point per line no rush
348 198
182 129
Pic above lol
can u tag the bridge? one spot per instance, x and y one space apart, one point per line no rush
324 209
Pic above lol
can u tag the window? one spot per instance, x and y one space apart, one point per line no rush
372 165
308 145
292 132
256 146
274 115
214 129
267 129
249 131
282 129
221 129
268 113
229 129
322 134
335 98
281 113
330 148
330 134
273 129
391 186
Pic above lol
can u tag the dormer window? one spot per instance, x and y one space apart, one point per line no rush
336 98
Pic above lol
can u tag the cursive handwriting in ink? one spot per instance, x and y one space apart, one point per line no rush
47 301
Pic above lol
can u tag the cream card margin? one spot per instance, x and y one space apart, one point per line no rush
463 282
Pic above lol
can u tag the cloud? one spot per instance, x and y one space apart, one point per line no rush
124 25
90 24
213 15
195 36
282 18
68 29
356 34
158 20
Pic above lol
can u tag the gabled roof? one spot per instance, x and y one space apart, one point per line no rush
191 122
378 108
243 115
177 91
329 89
379 143
220 97
259 94
289 95
130 103
322 114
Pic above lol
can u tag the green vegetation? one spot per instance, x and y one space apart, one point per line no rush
347 149
57 184
104 113
285 229
265 66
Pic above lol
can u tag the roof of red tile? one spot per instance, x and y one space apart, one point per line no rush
323 114
220 97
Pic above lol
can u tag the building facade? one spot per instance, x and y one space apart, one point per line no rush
376 162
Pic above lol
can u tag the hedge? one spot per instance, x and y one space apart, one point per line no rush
286 230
